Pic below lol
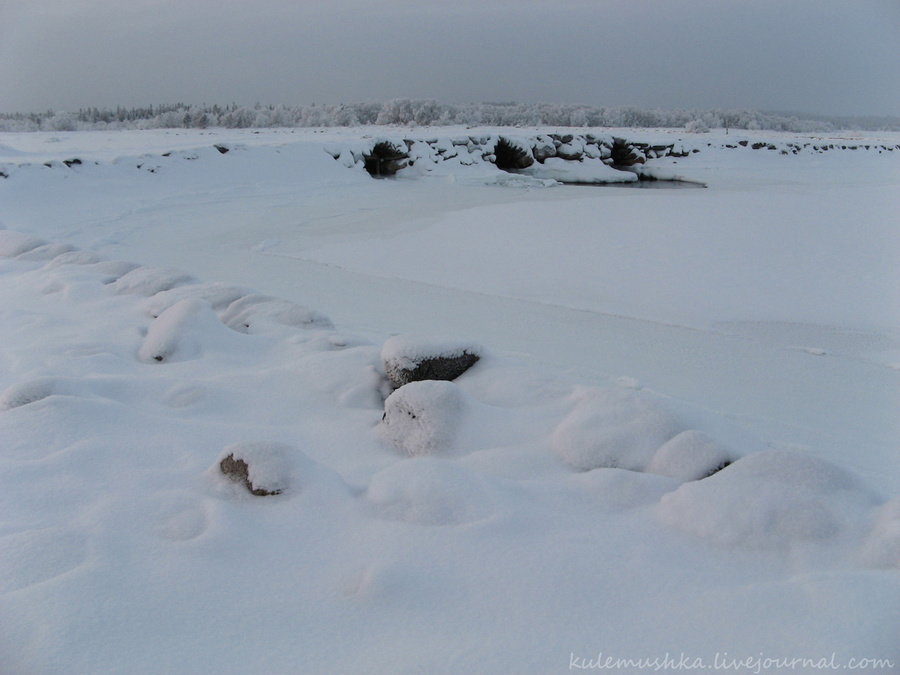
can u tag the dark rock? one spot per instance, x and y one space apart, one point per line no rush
70 162
438 368
221 148
409 360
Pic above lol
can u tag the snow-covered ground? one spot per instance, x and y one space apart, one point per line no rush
539 514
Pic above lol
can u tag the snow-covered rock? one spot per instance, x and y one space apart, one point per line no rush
14 243
422 418
691 455
257 313
410 359
264 468
27 392
150 280
218 295
183 331
768 499
613 428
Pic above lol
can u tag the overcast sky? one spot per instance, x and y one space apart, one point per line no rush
816 56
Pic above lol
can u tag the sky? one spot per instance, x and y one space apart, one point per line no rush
831 57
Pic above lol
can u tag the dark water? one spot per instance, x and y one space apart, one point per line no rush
648 184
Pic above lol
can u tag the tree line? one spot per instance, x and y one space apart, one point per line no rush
428 112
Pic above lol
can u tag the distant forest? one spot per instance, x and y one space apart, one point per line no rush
428 112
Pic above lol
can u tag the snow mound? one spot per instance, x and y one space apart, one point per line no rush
47 252
75 257
768 499
114 270
13 244
149 281
218 295
28 392
258 313
409 359
881 548
421 418
181 332
613 429
587 170
429 491
691 455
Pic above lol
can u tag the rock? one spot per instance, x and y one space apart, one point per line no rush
572 151
422 418
407 359
543 148
261 467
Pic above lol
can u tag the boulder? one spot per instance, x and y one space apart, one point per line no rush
262 467
408 359
422 418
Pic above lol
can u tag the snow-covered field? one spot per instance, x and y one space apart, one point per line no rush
165 305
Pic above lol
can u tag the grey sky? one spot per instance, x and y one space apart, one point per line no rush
818 56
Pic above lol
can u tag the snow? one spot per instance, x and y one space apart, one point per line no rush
681 436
